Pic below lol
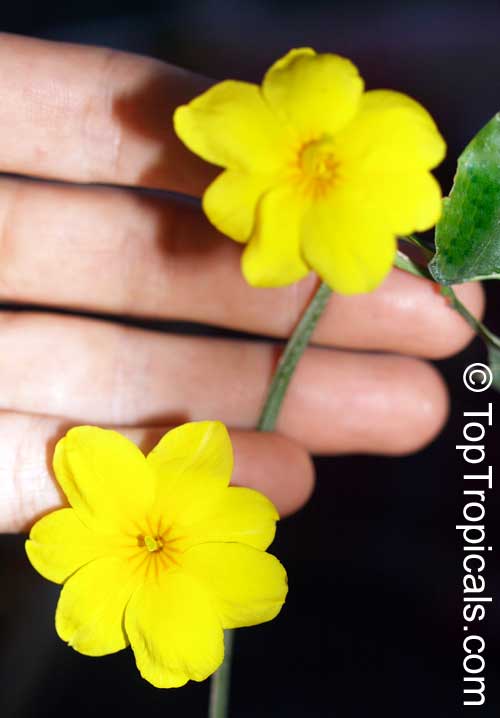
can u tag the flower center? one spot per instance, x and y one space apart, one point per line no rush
317 160
153 544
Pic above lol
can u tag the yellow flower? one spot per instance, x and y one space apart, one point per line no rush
319 174
157 551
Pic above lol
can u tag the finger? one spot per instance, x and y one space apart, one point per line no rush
120 252
97 372
90 114
266 462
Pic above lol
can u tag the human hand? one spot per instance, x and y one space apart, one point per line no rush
87 115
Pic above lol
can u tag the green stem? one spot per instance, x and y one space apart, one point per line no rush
290 358
490 339
219 690
221 681
406 264
411 239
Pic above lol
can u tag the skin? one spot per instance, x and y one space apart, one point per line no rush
88 115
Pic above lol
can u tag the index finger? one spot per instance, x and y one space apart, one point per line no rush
89 114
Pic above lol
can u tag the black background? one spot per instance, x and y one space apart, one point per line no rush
373 621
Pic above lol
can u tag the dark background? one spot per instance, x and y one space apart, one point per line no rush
373 622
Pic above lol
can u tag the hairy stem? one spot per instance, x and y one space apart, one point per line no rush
406 264
290 358
295 347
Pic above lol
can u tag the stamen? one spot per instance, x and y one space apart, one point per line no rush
318 165
152 544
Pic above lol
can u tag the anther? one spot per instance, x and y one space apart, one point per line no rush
152 544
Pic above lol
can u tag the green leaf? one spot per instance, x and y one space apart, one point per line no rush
468 233
494 363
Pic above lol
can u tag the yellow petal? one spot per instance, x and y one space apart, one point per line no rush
230 202
316 94
350 249
174 631
231 126
247 586
89 615
105 477
390 133
60 543
409 202
272 257
193 464
242 515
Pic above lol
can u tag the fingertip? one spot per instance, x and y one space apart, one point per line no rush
427 409
451 333
274 465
